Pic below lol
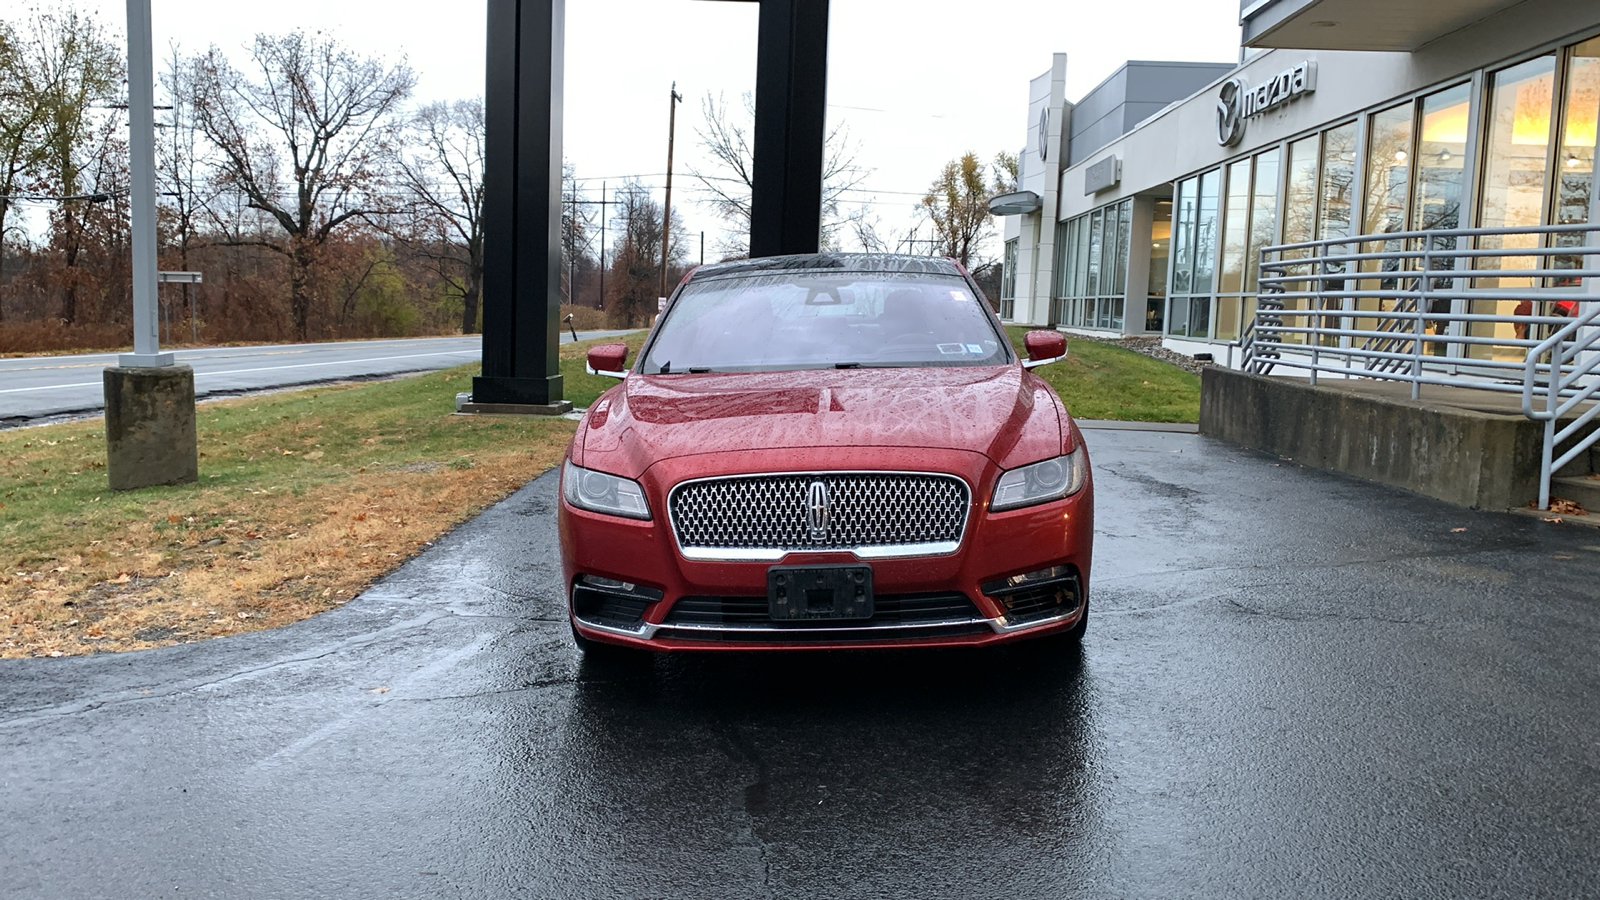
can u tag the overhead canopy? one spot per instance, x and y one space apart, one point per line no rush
1014 204
1359 24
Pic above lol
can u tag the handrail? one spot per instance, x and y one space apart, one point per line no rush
1411 312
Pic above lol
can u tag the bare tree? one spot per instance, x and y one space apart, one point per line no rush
727 135
306 141
636 264
445 178
181 161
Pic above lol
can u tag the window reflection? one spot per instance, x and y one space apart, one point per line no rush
1520 104
1441 159
1575 158
1236 228
1263 214
1388 170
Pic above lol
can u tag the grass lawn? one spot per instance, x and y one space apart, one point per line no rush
306 497
1102 381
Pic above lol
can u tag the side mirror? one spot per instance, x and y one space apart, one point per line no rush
1044 347
608 359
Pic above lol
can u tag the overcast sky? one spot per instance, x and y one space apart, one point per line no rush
916 82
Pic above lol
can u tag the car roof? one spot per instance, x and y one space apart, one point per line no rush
840 262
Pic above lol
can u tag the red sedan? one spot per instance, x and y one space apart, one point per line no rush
826 451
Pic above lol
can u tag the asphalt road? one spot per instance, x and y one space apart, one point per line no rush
47 386
1295 684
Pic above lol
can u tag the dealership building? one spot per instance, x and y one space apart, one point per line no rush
1144 206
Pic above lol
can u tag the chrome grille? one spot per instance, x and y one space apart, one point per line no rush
765 516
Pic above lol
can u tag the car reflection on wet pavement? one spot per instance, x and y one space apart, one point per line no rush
1294 683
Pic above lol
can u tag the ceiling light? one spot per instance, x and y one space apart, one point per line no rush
1400 156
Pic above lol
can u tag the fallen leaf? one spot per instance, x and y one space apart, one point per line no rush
379 690
122 578
315 454
1457 530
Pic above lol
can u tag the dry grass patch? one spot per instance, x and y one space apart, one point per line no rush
304 499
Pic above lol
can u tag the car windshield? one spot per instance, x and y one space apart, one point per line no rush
831 319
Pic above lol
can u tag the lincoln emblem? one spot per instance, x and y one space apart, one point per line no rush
817 512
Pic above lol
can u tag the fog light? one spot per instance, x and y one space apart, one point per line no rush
621 587
1026 580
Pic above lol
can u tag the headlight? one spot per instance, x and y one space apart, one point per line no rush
1040 482
602 493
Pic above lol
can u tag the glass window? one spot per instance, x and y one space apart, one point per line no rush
1575 158
1516 157
1441 158
1388 170
1178 316
1183 238
1338 179
1096 232
1119 283
1236 228
1160 246
1065 247
1205 240
1008 275
1300 199
1080 256
1263 214
1200 317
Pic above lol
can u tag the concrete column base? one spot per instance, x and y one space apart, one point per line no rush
150 432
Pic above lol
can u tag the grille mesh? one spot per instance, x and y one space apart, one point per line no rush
866 509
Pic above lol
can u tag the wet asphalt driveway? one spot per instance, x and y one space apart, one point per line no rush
1295 684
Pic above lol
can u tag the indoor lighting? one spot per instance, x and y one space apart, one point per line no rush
1400 156
1444 156
1573 161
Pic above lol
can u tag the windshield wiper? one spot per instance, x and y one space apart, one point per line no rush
847 365
699 370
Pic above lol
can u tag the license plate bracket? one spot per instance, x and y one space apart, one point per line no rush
819 593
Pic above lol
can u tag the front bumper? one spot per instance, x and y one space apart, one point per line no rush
947 591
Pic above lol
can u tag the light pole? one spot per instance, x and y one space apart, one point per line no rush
150 429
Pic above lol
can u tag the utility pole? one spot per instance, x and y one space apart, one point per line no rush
666 212
603 217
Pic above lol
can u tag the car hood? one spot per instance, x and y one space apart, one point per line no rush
1001 412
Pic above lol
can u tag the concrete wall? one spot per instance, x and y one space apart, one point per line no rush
1463 456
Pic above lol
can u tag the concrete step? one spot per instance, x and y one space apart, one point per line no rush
1583 491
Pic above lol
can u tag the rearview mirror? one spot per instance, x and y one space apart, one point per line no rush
608 359
1044 347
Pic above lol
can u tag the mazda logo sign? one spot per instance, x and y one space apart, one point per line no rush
817 511
1230 112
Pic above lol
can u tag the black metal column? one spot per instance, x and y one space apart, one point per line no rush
791 120
522 205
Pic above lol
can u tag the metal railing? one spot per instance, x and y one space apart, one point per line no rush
1426 308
